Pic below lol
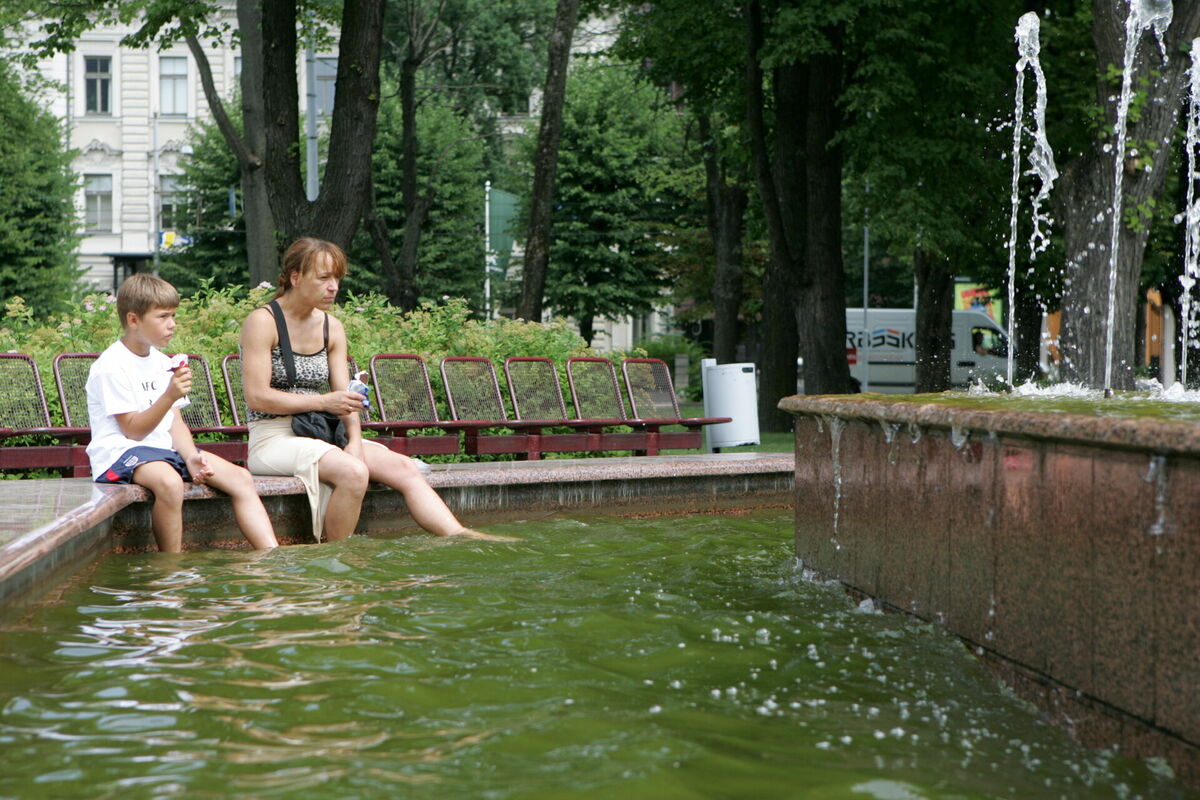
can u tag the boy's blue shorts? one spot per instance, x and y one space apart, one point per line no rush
122 469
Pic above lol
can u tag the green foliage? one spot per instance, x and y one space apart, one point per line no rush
210 326
217 253
450 166
37 212
619 182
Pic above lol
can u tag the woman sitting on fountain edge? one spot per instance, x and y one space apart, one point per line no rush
335 478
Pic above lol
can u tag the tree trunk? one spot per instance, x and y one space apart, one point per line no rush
587 329
346 184
545 163
401 287
1027 329
726 207
1085 197
822 307
281 110
348 177
262 249
935 307
781 184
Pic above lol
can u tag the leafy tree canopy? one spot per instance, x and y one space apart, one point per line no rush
37 211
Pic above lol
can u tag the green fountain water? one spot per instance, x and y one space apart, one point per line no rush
598 657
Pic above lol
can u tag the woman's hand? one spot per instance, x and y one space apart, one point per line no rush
341 403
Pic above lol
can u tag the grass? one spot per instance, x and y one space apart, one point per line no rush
768 442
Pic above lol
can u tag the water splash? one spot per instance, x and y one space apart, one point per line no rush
1191 248
1156 473
836 426
1041 162
959 436
1143 14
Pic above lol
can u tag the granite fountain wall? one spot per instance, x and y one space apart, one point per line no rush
1063 549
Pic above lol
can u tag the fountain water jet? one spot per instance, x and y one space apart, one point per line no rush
1041 161
1143 15
1192 209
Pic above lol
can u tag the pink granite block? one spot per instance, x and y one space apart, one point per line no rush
1021 553
1069 625
1177 601
970 585
905 484
1119 514
852 496
920 551
822 544
814 490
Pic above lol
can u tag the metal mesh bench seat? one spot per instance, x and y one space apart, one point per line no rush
536 393
652 399
473 393
24 412
404 403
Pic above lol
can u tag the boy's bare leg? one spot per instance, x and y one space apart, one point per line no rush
248 509
166 515
348 477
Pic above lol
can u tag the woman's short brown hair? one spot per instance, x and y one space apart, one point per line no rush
303 254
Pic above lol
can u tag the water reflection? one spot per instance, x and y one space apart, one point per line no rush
654 658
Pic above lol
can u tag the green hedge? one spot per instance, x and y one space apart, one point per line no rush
209 324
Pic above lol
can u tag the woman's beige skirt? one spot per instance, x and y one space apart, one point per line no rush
276 450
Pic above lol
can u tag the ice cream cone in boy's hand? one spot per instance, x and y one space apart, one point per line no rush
178 360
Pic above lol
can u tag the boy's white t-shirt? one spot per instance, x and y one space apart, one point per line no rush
120 382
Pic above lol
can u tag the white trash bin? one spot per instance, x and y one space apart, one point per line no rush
730 390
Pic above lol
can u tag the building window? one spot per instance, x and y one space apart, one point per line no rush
172 85
326 73
98 203
170 197
97 84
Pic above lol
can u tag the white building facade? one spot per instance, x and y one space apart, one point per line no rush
127 113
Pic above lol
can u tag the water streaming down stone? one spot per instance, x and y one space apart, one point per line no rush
1041 161
1143 15
1191 247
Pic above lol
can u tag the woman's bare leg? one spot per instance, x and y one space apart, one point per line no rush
349 477
426 505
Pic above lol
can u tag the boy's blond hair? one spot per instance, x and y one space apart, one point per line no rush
143 292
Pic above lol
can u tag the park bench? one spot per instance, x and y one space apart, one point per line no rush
24 412
652 399
403 399
473 393
536 393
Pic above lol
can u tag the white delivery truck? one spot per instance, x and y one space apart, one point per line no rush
886 340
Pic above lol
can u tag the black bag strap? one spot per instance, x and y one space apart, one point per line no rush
285 343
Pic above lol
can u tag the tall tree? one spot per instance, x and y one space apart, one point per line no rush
37 211
699 53
927 78
617 141
545 162
268 149
1085 194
